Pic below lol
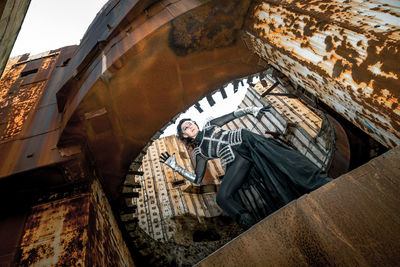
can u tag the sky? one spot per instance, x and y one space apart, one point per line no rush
222 107
52 24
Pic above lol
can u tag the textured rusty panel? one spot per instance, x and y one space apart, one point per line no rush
21 86
199 30
347 54
106 246
29 123
8 79
352 221
17 107
24 155
45 69
56 75
56 233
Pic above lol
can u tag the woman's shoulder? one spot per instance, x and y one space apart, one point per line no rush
209 126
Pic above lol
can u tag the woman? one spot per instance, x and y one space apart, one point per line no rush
287 173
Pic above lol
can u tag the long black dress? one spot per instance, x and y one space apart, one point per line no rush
287 173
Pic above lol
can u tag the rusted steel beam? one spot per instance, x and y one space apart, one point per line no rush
270 89
345 52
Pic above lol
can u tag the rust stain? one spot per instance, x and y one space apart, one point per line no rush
20 92
34 255
211 26
353 62
55 233
74 231
105 243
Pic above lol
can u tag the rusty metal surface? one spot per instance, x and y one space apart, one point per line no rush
56 233
341 160
345 53
74 231
105 246
19 95
127 79
12 14
351 221
200 30
28 114
141 81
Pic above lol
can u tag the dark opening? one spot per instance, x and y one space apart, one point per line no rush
26 73
65 63
363 147
178 183
206 235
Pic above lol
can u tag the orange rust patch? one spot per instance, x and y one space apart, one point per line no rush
352 61
19 93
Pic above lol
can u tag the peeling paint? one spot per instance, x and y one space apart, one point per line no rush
75 231
19 94
336 51
55 233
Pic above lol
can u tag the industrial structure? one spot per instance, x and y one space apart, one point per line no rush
76 123
12 14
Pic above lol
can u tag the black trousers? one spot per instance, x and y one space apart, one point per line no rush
235 175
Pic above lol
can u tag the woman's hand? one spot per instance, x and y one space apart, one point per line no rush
260 111
168 160
171 162
255 111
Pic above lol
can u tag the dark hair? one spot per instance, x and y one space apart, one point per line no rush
186 140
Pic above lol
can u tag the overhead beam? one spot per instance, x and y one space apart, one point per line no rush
347 54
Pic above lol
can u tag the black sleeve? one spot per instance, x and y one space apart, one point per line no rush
200 170
220 121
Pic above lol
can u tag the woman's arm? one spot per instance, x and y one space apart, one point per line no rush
196 178
255 111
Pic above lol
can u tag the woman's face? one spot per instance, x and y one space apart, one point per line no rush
189 129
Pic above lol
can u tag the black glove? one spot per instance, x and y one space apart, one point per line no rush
262 111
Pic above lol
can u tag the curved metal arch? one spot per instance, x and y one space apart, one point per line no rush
119 93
